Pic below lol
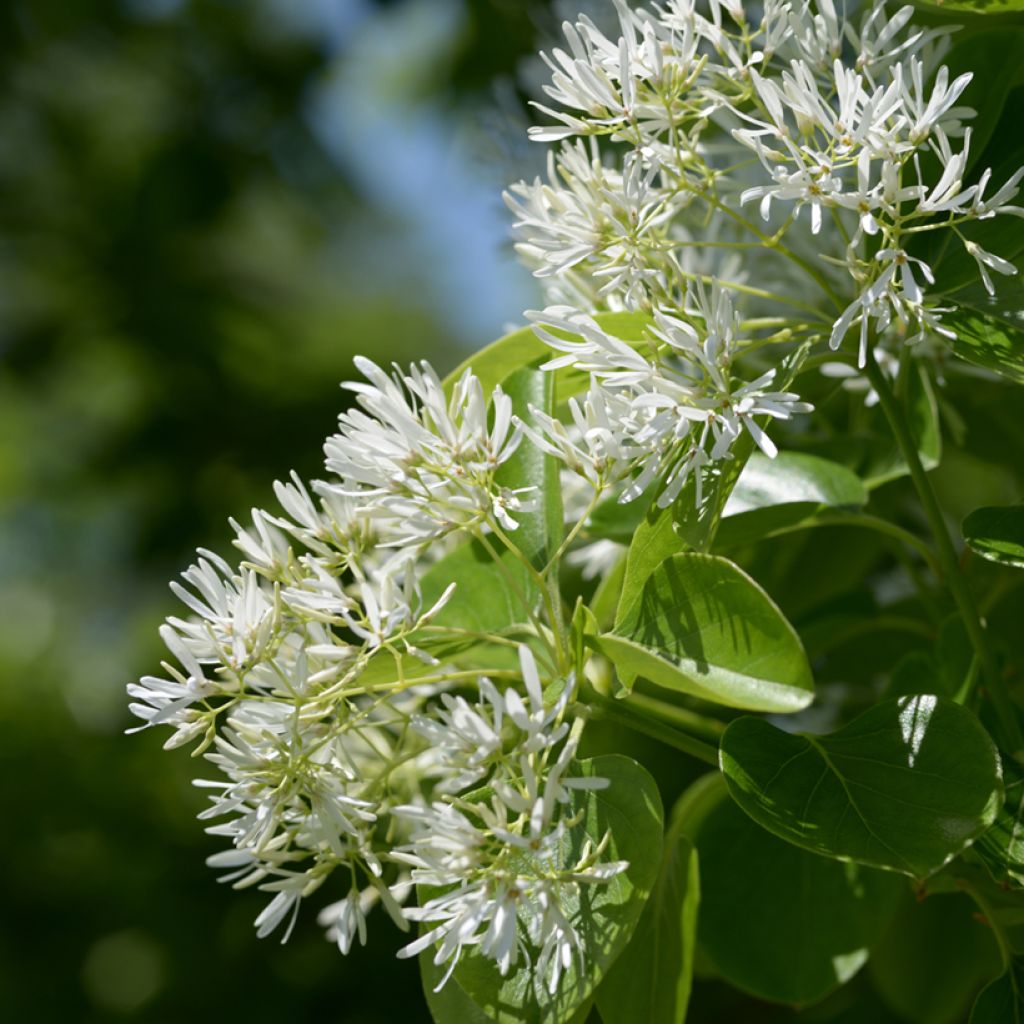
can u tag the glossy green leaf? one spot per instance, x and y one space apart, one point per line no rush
933 958
651 980
451 1005
997 534
629 812
990 334
777 494
1002 1001
1001 848
776 921
905 786
702 626
539 532
522 348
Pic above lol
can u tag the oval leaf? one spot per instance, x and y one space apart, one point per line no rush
651 980
906 786
629 811
997 534
778 922
1002 1000
933 958
700 625
523 348
778 494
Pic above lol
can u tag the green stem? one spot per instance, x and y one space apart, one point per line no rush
708 728
601 707
947 557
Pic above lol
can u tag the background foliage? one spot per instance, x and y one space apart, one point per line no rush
206 208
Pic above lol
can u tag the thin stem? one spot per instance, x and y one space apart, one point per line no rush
510 579
599 706
574 532
951 572
759 293
547 582
709 728
772 242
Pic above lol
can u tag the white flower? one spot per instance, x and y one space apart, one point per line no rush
423 459
468 740
986 259
505 873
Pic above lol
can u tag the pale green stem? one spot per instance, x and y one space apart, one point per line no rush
601 707
948 561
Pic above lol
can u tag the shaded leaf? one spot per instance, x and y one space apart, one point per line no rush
776 921
651 980
906 786
997 534
629 811
1002 1001
1001 848
933 958
702 626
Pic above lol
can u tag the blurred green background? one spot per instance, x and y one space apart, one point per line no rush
206 208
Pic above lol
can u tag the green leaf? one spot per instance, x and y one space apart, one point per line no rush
997 534
523 348
776 921
539 532
450 1005
980 7
1002 1000
917 396
654 540
1001 848
489 597
629 811
651 980
780 493
702 626
932 959
905 786
990 328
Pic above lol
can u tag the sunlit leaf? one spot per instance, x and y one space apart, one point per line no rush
523 348
539 532
777 494
702 626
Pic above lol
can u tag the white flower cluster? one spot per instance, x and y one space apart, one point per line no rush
500 861
662 419
665 132
301 679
